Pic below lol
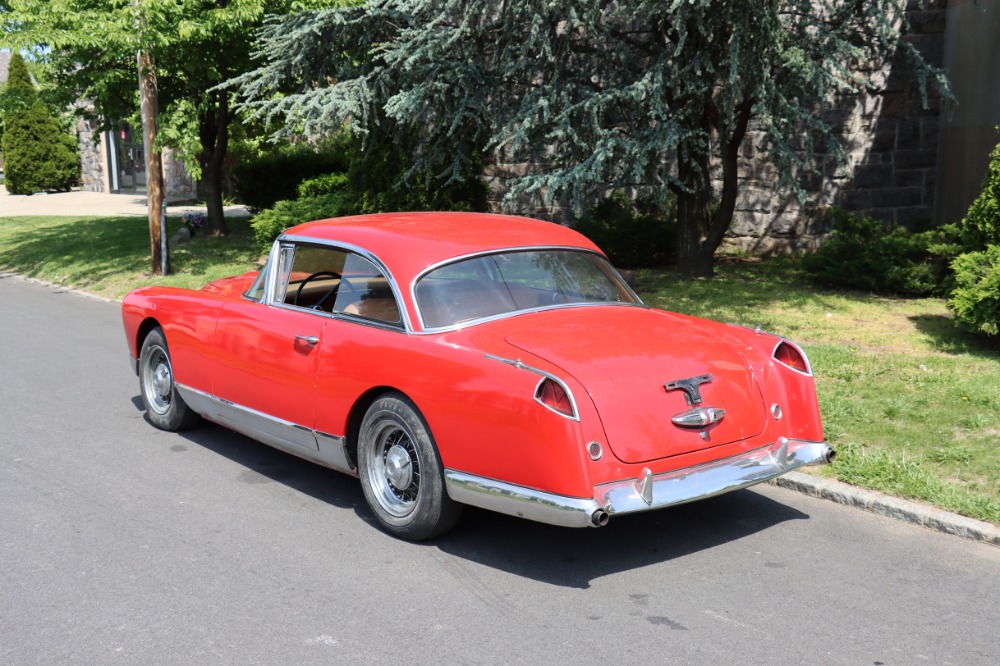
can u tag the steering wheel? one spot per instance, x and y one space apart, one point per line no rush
318 274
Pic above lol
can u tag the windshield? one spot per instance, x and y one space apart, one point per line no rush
515 281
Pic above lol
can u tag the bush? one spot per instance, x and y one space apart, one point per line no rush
262 182
981 226
632 232
380 176
269 224
872 255
320 185
38 155
975 299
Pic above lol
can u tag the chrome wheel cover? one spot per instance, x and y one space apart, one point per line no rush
157 379
394 469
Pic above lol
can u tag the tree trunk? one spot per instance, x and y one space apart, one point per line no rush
154 165
214 133
700 232
694 215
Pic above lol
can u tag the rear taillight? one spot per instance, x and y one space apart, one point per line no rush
789 355
555 396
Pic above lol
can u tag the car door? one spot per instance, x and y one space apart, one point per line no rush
268 349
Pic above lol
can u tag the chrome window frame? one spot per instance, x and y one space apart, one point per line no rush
503 315
294 241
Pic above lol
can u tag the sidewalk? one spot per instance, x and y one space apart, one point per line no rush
92 204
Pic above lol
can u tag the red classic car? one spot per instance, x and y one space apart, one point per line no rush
451 358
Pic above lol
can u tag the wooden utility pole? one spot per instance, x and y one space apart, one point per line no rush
149 108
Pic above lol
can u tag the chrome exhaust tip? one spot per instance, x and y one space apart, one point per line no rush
599 518
830 455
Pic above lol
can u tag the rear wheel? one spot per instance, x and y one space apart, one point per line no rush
164 407
401 472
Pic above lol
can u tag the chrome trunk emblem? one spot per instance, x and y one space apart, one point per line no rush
690 387
699 417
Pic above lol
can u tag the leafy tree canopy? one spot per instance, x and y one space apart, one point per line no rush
91 46
629 94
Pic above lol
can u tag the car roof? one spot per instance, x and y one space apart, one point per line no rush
410 242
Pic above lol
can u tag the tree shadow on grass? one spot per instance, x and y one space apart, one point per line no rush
948 338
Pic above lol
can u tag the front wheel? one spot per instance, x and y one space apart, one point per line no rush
164 407
401 472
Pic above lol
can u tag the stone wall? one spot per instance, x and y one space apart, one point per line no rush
891 146
92 156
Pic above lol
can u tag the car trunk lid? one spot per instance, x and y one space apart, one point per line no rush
642 368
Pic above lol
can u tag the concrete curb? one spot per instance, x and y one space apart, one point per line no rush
892 507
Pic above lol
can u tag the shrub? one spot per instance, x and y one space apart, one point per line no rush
263 181
269 224
981 226
320 185
872 255
381 176
38 155
632 232
975 299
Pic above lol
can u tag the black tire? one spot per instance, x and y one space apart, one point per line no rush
401 472
164 407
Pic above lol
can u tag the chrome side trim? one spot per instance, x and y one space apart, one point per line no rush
318 447
644 493
546 375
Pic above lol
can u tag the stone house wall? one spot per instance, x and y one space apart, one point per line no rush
94 176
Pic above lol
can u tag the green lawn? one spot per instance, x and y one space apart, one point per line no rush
110 256
911 404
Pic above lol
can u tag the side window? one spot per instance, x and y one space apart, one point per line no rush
309 276
364 291
331 280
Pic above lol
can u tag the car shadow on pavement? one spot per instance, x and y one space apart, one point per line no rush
264 463
575 557
555 555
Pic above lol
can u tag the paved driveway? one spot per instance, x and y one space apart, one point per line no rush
90 203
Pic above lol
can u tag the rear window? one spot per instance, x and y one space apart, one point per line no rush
516 281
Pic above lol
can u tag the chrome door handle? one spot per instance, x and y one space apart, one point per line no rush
308 339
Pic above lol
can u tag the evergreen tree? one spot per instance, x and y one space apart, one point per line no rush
18 78
19 91
596 95
38 155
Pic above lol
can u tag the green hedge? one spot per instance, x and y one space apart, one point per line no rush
873 255
981 226
633 233
269 224
262 182
976 297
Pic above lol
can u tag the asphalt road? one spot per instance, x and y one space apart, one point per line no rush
120 544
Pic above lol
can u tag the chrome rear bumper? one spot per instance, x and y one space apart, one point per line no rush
644 493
